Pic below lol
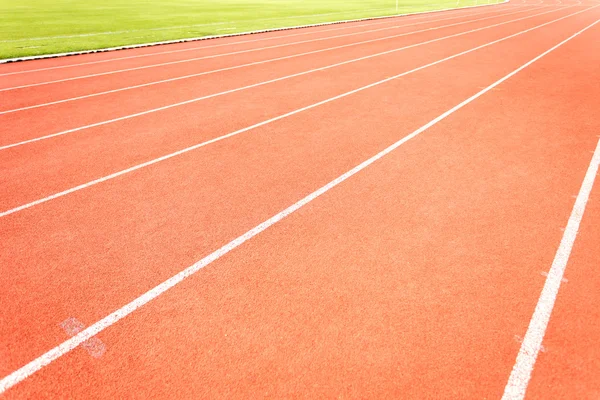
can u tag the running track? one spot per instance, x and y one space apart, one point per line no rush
364 210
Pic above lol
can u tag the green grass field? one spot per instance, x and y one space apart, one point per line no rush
34 27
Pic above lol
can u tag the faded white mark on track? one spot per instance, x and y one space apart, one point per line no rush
544 273
94 346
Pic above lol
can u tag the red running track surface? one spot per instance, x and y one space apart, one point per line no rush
415 277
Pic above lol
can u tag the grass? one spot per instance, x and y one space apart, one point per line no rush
35 27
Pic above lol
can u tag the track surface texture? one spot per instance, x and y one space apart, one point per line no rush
397 208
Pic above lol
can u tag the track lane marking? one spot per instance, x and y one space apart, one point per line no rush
68 345
256 63
213 56
531 345
186 102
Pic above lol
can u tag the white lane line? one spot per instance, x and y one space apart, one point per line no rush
213 56
191 101
65 347
521 373
266 122
413 15
255 63
183 26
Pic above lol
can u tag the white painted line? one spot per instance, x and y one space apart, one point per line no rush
187 60
266 122
65 347
368 23
530 347
185 40
191 101
255 63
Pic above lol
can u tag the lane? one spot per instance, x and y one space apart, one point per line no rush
86 59
102 150
74 86
122 104
569 366
101 248
392 284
